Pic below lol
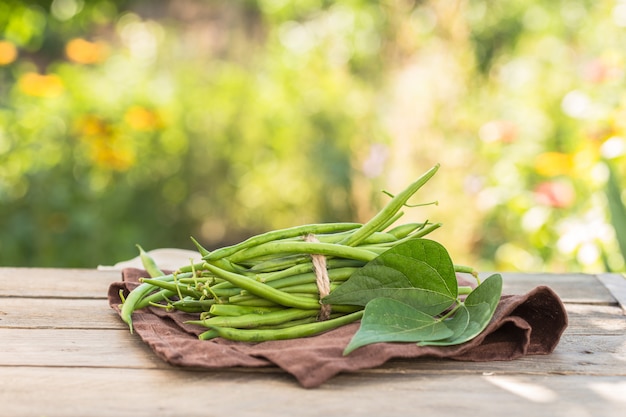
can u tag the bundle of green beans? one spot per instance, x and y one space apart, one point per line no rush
264 288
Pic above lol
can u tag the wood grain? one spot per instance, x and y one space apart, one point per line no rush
64 352
107 392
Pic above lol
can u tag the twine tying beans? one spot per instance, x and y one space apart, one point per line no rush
322 279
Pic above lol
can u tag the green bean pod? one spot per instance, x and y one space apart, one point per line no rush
389 210
293 332
280 234
249 321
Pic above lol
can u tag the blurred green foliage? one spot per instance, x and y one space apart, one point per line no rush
133 121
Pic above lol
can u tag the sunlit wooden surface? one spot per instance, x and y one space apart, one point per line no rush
64 352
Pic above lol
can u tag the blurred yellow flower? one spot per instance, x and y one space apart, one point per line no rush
110 153
584 159
90 125
39 85
552 164
8 53
82 51
142 119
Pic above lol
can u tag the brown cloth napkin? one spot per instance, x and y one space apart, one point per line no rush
529 324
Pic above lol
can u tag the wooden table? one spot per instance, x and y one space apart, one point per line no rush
64 352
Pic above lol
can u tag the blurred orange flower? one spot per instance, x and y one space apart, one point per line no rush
8 53
39 85
557 194
82 51
142 119
552 164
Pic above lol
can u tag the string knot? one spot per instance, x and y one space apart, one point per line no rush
321 279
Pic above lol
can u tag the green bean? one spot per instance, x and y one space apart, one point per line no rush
259 302
193 306
384 225
264 291
303 330
297 322
313 248
389 210
201 249
374 238
135 296
280 234
149 264
310 288
404 230
247 296
334 275
416 235
239 310
250 321
162 295
275 263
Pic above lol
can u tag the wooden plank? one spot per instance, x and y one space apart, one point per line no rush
590 319
576 354
42 313
571 288
75 347
53 282
113 392
616 285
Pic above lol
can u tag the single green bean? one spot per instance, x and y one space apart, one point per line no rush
297 322
310 288
303 330
149 264
389 210
238 310
247 296
201 249
250 321
193 305
259 302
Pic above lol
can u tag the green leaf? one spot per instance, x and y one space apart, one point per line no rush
389 320
418 272
473 314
